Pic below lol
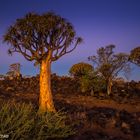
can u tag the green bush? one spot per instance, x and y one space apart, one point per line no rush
92 83
20 121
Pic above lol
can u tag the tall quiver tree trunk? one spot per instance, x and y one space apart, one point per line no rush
45 98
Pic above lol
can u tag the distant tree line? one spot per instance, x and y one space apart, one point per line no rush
106 67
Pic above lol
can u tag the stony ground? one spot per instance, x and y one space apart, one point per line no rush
93 117
102 119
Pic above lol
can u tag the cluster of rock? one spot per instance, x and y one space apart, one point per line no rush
61 85
67 85
126 91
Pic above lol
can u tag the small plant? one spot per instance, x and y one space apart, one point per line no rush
16 120
52 125
21 121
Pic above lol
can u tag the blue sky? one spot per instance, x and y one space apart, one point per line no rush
98 22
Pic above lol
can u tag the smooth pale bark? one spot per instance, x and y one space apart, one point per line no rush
45 98
92 92
109 87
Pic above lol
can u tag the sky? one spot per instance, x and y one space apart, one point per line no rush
98 22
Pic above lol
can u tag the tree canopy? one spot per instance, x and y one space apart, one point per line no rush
109 64
80 69
135 56
35 36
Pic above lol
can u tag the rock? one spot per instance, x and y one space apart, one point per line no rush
125 116
10 89
111 123
136 129
126 128
125 125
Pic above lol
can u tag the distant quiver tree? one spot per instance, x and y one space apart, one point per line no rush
43 39
135 56
15 68
109 64
14 71
80 69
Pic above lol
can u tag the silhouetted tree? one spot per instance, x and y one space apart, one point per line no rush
135 56
109 64
44 39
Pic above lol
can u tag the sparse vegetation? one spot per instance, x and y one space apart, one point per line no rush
96 116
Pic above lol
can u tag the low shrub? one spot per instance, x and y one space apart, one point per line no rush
16 120
21 121
52 126
92 83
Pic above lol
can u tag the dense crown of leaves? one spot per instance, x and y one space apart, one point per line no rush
80 69
135 56
34 36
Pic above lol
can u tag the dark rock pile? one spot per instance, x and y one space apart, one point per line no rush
123 92
60 85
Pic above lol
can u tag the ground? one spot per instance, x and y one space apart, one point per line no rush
93 117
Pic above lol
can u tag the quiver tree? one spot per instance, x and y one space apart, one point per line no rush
80 69
14 71
43 39
109 64
80 72
15 68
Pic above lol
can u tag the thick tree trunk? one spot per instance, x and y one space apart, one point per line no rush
45 98
109 87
